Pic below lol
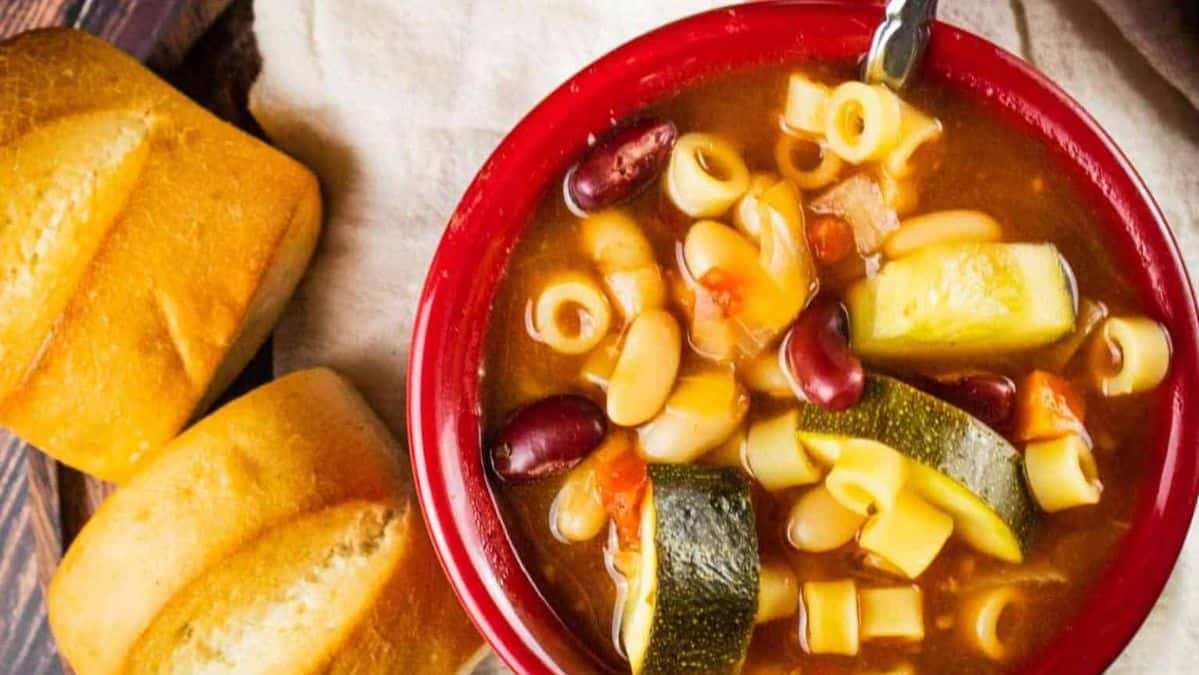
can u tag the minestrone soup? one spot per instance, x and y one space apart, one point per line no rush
795 374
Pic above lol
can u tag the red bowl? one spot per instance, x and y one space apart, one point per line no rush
447 346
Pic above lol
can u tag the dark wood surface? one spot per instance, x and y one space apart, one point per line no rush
42 503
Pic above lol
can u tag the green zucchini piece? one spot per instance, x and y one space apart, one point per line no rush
959 464
690 608
955 300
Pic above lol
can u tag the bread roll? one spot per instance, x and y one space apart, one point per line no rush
146 249
292 447
284 604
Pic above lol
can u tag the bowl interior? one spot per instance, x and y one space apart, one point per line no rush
447 348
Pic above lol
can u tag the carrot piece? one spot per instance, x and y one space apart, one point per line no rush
622 481
831 238
1047 407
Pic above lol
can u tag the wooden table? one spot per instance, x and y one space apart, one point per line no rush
43 504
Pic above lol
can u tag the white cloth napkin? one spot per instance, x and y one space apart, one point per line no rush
397 104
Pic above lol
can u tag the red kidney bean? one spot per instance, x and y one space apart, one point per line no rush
818 354
621 163
987 396
547 437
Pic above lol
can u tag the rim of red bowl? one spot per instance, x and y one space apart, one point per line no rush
445 366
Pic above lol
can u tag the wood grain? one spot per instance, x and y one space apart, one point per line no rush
44 504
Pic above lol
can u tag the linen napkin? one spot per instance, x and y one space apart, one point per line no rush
395 105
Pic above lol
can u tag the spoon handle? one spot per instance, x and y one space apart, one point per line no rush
899 42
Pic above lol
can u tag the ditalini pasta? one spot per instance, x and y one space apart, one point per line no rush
831 617
892 613
817 523
908 535
706 174
1141 350
701 413
805 106
862 122
778 591
626 260
987 620
572 314
1062 473
866 476
646 368
823 172
915 129
775 456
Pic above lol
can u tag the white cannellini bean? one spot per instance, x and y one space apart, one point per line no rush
646 369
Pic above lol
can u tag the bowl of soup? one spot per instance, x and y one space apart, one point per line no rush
730 362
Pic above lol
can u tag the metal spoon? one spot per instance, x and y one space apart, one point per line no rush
899 42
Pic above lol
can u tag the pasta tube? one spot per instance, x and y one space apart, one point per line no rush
867 475
778 591
831 615
908 535
892 613
915 129
1061 473
570 295
705 175
862 122
775 456
981 620
1142 349
827 168
805 106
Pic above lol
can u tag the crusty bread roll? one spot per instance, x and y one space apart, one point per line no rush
284 603
293 447
146 250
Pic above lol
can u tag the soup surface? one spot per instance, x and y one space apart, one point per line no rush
905 256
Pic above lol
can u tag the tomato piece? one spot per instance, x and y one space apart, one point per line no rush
622 480
1047 407
724 289
831 238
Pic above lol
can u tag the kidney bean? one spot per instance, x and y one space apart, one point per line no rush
817 347
987 396
621 163
547 437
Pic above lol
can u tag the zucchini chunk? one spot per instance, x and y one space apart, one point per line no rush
959 464
691 604
956 300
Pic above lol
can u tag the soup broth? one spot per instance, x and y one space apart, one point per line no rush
976 163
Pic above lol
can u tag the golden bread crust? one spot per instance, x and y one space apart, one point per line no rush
160 303
301 443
